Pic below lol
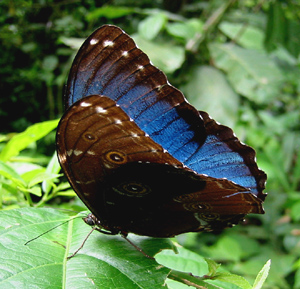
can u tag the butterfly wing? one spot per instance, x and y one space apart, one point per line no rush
109 63
132 184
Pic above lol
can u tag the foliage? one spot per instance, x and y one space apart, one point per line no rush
105 261
237 60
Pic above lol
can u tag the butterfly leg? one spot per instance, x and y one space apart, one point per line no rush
136 247
81 246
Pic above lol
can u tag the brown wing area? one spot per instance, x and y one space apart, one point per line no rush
130 183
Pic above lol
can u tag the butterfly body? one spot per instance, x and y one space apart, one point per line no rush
140 156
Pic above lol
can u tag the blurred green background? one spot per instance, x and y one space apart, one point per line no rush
237 60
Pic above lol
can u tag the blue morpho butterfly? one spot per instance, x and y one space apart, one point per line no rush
140 157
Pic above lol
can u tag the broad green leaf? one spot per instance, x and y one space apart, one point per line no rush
40 263
72 42
295 211
41 177
3 138
226 248
251 72
64 189
21 140
195 265
296 171
186 30
53 169
63 186
167 57
110 12
220 100
28 176
262 276
281 266
104 261
185 260
244 34
37 191
297 278
277 26
8 172
152 25
233 279
50 62
67 193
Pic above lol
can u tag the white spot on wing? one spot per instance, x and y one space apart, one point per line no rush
94 41
77 152
125 53
85 104
108 43
100 109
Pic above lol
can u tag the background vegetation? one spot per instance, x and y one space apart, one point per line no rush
237 60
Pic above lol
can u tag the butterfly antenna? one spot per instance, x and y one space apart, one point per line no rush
49 230
136 247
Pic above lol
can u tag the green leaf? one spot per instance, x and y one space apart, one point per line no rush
226 248
72 42
262 276
244 34
220 101
28 176
277 26
104 261
212 267
185 260
41 177
67 193
186 30
165 56
21 140
295 211
195 265
152 25
110 12
251 72
234 279
53 169
35 191
297 278
3 138
8 172
281 266
50 62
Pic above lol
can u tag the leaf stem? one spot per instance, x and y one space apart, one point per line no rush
190 280
208 26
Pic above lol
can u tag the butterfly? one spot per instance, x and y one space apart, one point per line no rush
143 159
